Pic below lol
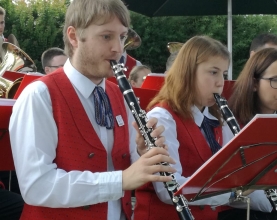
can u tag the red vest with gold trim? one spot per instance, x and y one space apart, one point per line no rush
79 147
130 64
193 152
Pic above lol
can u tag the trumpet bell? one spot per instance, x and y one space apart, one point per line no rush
133 40
15 59
174 46
9 88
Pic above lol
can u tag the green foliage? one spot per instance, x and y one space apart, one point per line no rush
157 32
39 25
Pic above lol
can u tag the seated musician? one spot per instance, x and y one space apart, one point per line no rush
138 75
52 59
11 203
256 90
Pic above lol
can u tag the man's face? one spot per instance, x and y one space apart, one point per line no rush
56 62
2 24
97 45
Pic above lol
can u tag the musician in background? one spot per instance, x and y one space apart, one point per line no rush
11 203
261 41
256 87
52 59
71 131
2 22
256 90
138 75
194 129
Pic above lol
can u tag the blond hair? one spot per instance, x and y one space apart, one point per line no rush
82 13
134 72
179 90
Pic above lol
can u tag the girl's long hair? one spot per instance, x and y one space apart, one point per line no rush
244 100
179 90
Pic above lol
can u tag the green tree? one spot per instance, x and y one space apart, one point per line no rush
158 31
37 25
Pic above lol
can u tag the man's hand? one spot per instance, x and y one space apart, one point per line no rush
144 169
157 131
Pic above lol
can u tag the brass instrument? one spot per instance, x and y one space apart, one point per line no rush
133 40
174 46
14 59
9 88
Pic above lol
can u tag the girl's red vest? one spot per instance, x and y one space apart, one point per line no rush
79 147
193 152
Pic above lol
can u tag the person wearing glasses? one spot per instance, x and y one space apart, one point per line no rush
256 87
52 59
256 90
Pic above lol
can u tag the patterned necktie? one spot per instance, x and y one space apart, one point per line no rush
121 59
103 110
207 126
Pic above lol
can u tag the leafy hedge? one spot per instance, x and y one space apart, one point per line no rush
38 26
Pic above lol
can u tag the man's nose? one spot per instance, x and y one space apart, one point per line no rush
118 45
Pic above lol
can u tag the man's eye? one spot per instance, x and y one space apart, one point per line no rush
274 79
123 38
106 37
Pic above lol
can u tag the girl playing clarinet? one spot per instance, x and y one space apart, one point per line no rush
194 128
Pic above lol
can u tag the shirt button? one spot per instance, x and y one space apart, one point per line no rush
90 155
124 155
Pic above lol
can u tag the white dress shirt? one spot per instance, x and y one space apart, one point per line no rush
34 138
258 199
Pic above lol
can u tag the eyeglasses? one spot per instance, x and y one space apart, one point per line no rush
56 66
273 81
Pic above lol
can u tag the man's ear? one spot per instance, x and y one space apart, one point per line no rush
133 83
47 70
72 36
252 53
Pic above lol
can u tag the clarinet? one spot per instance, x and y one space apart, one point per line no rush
228 116
180 202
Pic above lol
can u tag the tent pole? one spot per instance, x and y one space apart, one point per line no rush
230 38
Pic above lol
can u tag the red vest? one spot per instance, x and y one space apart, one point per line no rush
130 64
193 151
79 147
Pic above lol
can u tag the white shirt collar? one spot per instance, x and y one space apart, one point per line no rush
83 84
199 116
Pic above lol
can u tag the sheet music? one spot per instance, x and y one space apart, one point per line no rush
7 102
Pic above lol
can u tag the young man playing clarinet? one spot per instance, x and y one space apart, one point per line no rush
72 156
